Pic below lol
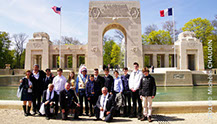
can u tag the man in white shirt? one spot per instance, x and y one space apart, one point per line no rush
59 81
134 83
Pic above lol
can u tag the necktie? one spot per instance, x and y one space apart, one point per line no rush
134 74
50 96
103 102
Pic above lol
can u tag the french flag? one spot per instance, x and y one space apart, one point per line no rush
166 12
56 9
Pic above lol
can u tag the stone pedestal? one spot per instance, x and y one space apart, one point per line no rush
178 78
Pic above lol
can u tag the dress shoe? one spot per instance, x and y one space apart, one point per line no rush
149 119
143 118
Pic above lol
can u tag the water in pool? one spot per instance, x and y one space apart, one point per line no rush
196 93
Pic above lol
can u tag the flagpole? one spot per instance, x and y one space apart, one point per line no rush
60 40
174 38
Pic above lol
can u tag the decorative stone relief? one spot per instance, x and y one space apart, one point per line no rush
134 49
135 12
41 35
94 49
36 45
95 12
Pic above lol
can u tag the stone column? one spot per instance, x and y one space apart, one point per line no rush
166 60
45 54
62 59
34 60
154 58
28 57
85 59
74 62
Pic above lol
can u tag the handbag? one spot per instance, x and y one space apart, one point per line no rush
19 92
42 109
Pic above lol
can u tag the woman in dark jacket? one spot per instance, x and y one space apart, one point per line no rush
26 94
147 92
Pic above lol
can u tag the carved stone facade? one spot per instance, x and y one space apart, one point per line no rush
124 16
121 15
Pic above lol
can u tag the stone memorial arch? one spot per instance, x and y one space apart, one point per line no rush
121 15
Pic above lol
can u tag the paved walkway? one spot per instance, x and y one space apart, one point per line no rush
158 107
15 116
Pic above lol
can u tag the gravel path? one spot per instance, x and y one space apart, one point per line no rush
15 116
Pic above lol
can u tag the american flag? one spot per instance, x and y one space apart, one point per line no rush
56 9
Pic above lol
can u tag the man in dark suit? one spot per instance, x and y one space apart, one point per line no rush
99 83
105 106
68 101
48 78
108 80
50 100
37 79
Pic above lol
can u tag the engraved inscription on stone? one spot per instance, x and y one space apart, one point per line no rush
178 76
114 10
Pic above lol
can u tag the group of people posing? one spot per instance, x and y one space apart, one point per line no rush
103 96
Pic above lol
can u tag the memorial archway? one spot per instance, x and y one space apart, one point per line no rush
106 15
121 43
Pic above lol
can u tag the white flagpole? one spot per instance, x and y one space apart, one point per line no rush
60 40
174 37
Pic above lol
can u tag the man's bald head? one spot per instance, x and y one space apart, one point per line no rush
104 90
50 87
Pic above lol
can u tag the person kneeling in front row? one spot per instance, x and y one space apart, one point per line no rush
68 101
50 101
105 106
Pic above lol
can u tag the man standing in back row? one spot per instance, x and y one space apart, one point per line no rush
108 80
37 78
134 83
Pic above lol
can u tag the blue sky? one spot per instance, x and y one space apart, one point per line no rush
29 16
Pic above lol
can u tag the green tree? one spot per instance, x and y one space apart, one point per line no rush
6 56
115 55
201 27
214 50
204 31
107 52
157 37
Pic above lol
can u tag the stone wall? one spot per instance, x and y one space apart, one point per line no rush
202 79
10 80
12 71
160 78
